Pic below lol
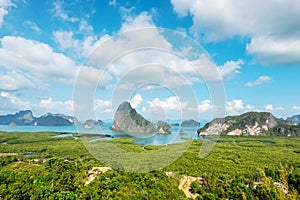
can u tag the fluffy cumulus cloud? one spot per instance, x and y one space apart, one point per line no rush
261 80
68 41
230 68
205 106
270 107
128 55
170 103
5 6
273 51
11 103
296 107
166 108
50 105
35 58
207 110
131 54
233 107
102 106
273 26
136 101
76 39
237 106
14 80
65 39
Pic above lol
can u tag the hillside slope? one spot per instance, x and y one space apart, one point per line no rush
251 123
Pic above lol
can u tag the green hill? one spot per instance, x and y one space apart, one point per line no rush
251 123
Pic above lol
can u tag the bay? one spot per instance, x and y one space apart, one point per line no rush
178 134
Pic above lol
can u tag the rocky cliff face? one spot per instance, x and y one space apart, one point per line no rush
26 118
90 123
251 123
162 127
21 118
126 119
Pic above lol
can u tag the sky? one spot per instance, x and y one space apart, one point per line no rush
170 59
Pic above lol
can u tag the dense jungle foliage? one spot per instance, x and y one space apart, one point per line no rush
42 167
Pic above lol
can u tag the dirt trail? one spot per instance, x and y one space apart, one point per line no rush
185 185
94 172
8 154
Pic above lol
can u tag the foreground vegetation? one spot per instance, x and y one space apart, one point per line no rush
42 167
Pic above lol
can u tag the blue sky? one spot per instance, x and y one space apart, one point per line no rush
253 45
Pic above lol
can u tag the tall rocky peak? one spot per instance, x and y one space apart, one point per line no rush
127 119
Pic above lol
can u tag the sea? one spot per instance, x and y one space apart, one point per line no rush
178 134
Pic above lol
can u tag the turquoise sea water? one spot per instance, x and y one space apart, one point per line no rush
144 139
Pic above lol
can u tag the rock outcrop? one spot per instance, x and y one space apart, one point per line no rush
21 118
190 123
90 123
126 119
251 123
162 127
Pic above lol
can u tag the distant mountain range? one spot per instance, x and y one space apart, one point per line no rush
253 123
26 118
294 120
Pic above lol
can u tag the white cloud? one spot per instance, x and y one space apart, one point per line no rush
5 6
78 48
273 26
205 106
59 12
65 39
219 19
136 101
32 25
92 78
65 107
12 102
230 68
113 3
85 27
296 107
270 107
143 20
129 52
102 106
171 103
37 59
233 107
14 81
167 108
236 107
261 80
273 51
